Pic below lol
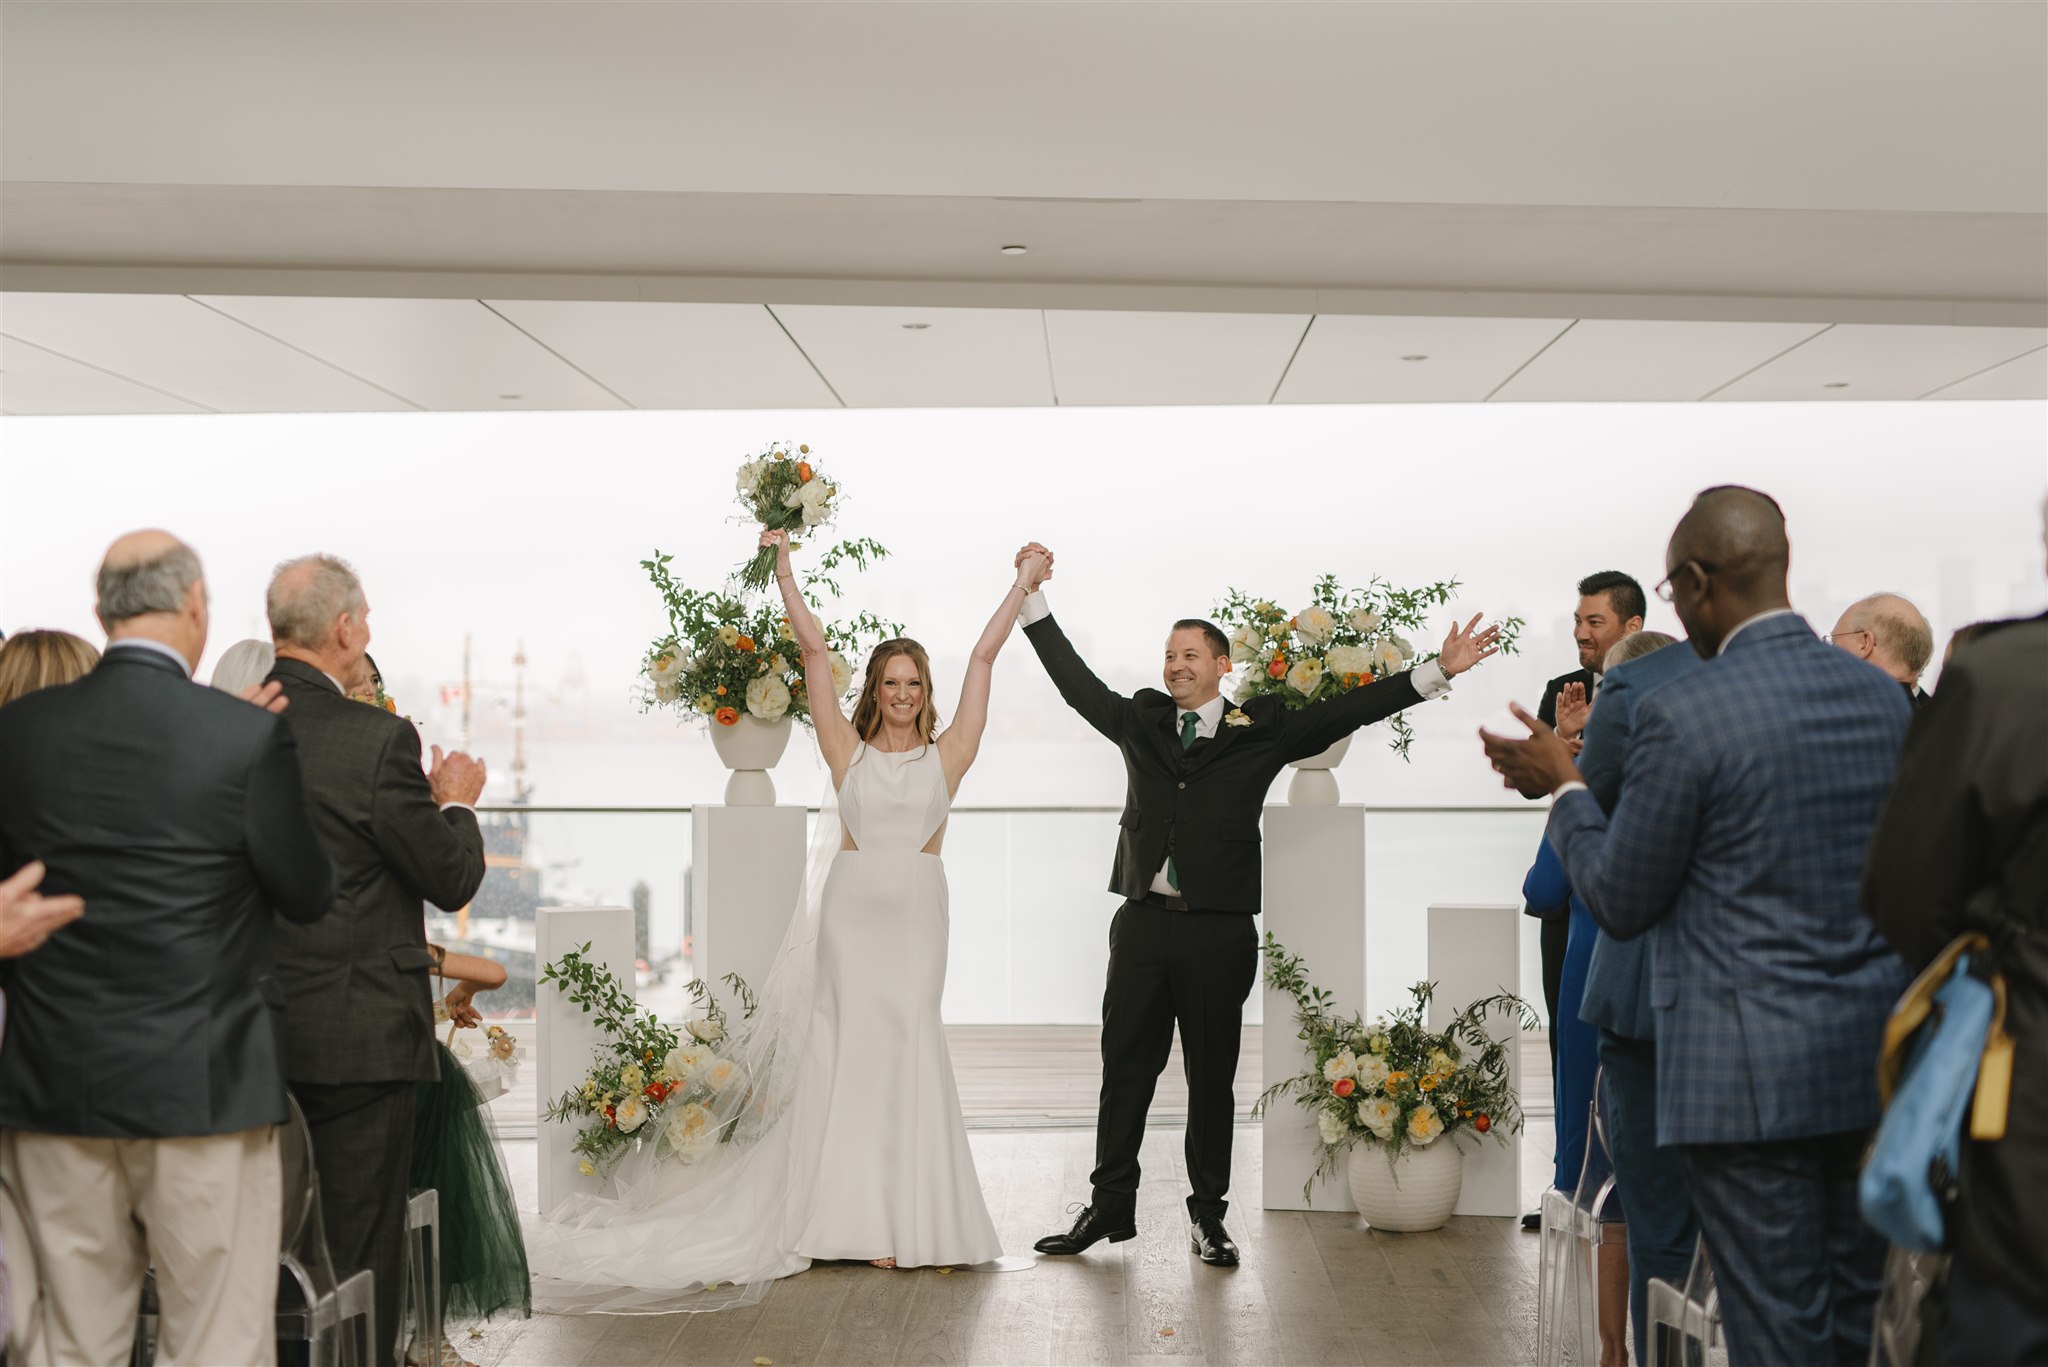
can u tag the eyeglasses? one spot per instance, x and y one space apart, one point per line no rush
1663 589
1836 635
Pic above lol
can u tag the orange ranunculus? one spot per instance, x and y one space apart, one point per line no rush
796 685
1344 1086
727 716
721 690
803 472
390 704
745 643
655 1091
1396 1076
1481 1123
1277 669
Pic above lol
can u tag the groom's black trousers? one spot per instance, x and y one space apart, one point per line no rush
1194 968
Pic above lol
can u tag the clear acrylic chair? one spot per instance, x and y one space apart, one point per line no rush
334 1319
1895 1329
423 1279
1572 1234
1685 1323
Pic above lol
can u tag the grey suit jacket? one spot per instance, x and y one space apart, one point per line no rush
1617 996
359 1004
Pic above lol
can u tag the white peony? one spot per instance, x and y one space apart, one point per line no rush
1424 1124
1365 621
666 690
816 499
707 1030
1371 1072
1386 658
1378 1115
720 1073
1332 1126
687 1123
1314 626
793 497
768 697
1345 1064
1247 644
1349 660
670 665
842 674
1305 675
688 1060
1401 644
630 1114
748 479
675 1066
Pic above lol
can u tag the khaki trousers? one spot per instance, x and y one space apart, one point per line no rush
207 1213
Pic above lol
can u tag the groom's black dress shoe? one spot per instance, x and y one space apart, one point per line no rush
1210 1242
1094 1226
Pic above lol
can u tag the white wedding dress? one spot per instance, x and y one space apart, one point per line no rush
850 1143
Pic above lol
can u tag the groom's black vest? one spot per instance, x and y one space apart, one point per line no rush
1203 804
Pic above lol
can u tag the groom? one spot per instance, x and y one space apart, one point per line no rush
1182 948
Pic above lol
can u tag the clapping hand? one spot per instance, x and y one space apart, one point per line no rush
1033 565
1540 764
455 777
1467 646
268 696
26 919
1572 711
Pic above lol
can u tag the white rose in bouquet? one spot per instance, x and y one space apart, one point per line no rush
676 1066
816 501
748 478
1365 621
768 697
1424 1124
1401 644
630 1114
842 674
708 1030
1378 1115
1246 644
1305 675
1371 1072
1349 660
1331 1125
1344 1064
666 690
1386 658
692 1120
721 1073
1313 625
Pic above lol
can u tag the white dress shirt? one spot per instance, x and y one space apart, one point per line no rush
144 643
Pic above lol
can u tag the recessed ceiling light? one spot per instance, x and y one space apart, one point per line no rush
915 327
1415 358
508 398
1836 384
1015 249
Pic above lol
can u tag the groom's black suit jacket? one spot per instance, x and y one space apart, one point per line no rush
1202 804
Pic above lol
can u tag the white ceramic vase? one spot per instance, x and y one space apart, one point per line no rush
751 747
1313 784
1416 1192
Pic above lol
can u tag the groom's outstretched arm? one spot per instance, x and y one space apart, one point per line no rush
1315 729
1101 706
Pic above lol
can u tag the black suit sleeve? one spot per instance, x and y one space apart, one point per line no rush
290 863
440 855
1101 706
1315 729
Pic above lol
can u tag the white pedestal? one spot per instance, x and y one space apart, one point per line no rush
1475 951
746 872
565 1037
1315 906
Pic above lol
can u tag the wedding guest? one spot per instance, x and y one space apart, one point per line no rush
1616 1001
1890 633
140 1086
359 1024
243 666
1963 846
1742 829
1961 637
42 659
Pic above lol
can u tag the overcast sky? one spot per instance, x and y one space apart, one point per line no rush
529 527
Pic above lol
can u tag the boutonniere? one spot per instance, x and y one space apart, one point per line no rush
1236 717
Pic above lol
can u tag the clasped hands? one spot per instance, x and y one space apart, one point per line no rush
1033 565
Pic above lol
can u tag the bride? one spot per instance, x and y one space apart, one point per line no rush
840 1136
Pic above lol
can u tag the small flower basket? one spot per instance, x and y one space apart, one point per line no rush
1384 1094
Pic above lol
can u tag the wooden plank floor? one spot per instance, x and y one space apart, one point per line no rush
1314 1289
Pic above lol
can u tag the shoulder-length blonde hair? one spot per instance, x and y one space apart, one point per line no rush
34 660
867 710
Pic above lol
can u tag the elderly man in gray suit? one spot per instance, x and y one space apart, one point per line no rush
359 1027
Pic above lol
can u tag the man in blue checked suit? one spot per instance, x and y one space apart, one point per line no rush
1749 794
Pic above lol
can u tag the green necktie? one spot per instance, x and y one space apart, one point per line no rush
1188 722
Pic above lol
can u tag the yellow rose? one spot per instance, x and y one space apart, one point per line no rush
587 1168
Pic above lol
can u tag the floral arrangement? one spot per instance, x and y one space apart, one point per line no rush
1342 640
783 490
724 655
1393 1084
646 1080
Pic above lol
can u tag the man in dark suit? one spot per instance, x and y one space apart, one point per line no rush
1963 846
140 1079
1182 949
1887 631
1661 1230
1741 830
359 1030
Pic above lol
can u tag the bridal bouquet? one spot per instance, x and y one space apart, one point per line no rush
1342 640
1393 1084
646 1081
724 656
782 489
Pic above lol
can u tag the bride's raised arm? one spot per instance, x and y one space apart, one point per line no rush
961 741
836 738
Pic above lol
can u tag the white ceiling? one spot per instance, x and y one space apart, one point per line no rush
97 353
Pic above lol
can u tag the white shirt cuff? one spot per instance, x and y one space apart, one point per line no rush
1430 680
1573 787
1035 608
463 805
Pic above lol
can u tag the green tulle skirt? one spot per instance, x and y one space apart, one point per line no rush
455 1151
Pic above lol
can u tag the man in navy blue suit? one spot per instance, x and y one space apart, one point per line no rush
1750 791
